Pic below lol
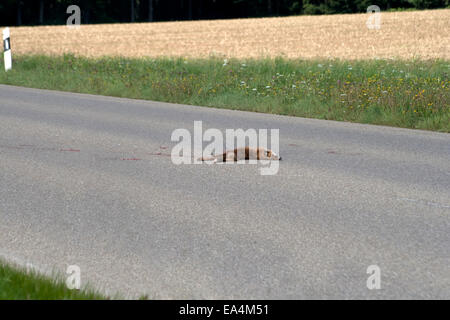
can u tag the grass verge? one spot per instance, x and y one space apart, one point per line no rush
409 94
18 284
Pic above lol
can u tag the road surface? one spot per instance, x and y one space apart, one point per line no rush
86 180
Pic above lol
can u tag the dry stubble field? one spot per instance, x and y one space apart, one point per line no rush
404 35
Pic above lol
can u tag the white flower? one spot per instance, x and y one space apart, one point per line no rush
267 87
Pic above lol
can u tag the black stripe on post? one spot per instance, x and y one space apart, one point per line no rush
6 44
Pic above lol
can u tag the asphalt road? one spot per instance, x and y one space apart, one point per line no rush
86 180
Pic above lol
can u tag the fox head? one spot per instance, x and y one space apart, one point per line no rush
271 155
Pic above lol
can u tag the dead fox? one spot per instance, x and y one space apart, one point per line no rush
243 154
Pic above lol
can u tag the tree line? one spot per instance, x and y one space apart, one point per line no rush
49 12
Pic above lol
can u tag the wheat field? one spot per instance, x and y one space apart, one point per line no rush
403 35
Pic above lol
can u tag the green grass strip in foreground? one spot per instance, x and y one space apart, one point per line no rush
18 284
409 94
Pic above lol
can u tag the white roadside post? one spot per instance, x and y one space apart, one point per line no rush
7 49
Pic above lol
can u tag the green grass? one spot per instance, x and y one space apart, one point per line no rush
18 284
410 94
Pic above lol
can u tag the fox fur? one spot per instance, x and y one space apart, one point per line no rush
243 154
